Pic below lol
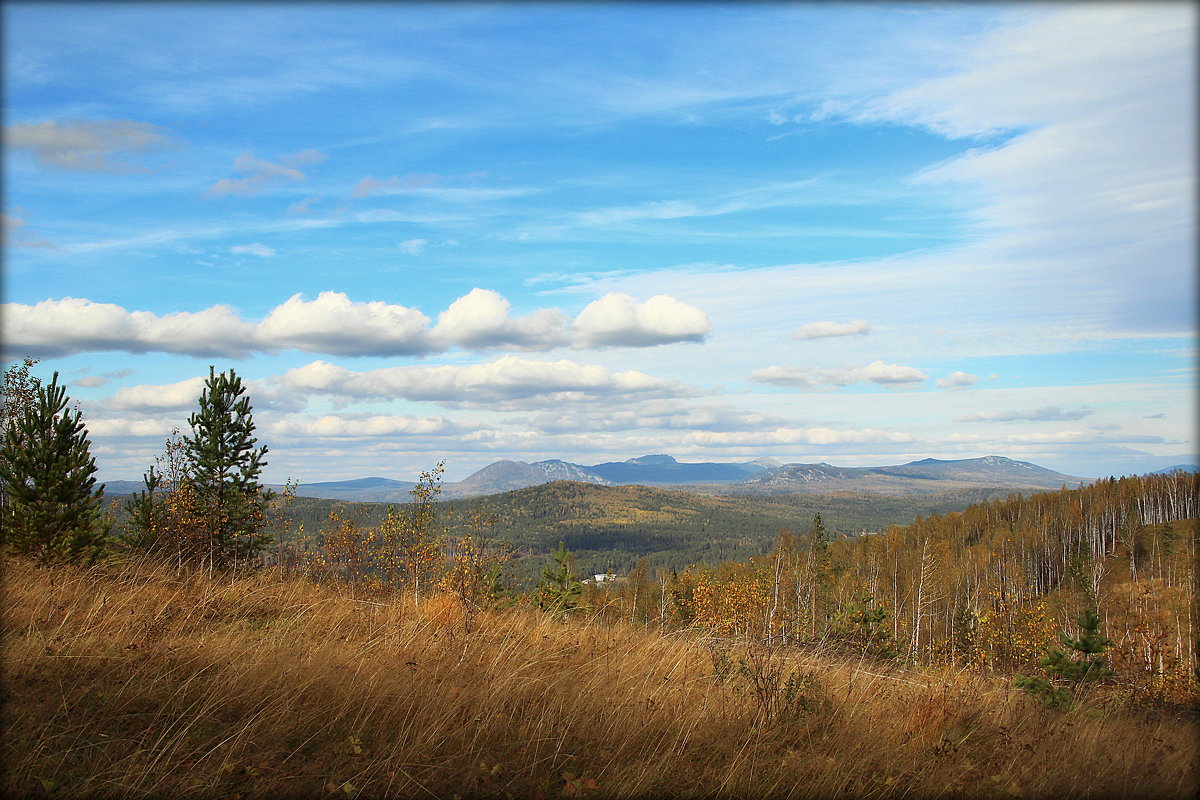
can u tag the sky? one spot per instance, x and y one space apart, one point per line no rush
852 233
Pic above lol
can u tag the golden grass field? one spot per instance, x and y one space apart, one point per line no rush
137 681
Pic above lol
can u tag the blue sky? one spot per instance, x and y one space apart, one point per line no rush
855 233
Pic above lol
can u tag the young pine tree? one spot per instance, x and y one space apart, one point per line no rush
223 468
560 587
51 506
1070 676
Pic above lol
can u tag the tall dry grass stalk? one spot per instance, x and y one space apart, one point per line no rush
138 681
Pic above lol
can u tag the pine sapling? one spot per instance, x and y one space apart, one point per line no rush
1071 673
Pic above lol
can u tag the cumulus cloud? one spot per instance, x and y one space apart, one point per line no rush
256 174
55 328
957 379
1045 414
618 320
335 324
77 145
131 427
508 382
253 249
160 397
820 330
480 319
876 372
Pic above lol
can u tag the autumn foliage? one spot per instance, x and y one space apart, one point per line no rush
990 588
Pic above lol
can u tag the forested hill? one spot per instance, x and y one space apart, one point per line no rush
611 527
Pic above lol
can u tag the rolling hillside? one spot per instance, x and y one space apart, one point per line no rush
611 527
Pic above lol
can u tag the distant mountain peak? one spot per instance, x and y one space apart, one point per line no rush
766 462
652 460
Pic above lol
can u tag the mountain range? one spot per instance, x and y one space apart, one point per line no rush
764 476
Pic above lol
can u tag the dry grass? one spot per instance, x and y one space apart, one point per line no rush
137 682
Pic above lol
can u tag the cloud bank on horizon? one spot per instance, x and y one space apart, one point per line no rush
859 234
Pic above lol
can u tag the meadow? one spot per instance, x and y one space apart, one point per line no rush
137 679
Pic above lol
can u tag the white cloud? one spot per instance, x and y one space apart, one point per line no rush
335 324
60 327
1046 414
412 247
257 174
479 319
618 320
819 330
77 145
139 427
253 249
90 381
176 396
812 377
508 382
363 426
957 379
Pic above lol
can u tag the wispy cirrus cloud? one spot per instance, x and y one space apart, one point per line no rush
256 174
1044 414
83 145
253 249
17 233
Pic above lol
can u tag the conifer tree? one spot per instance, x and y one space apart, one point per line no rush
50 504
1076 673
560 587
223 468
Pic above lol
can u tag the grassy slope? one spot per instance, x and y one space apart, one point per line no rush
134 681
